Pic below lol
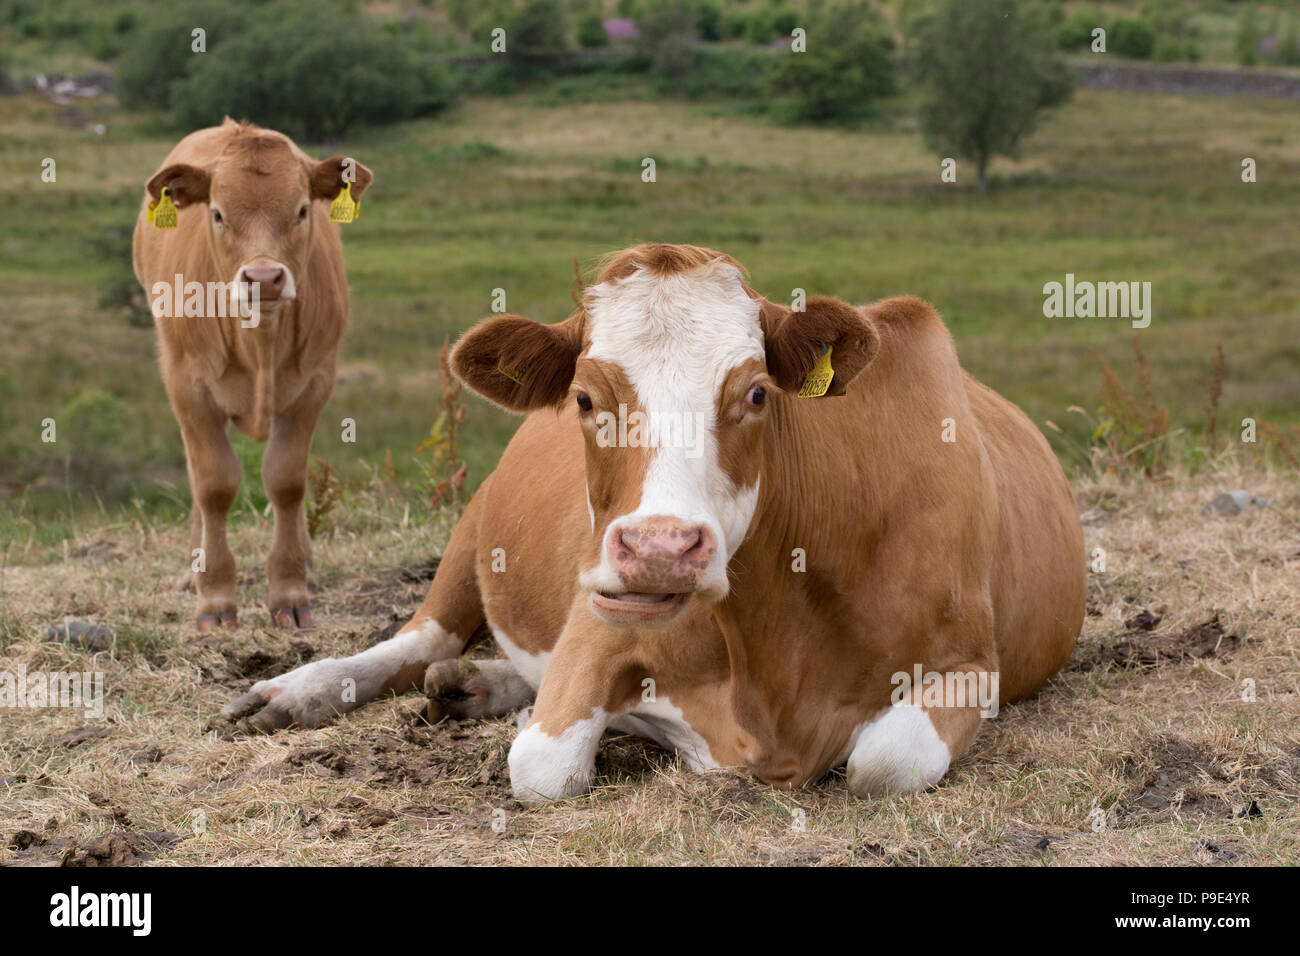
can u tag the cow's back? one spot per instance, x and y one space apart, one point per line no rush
1038 577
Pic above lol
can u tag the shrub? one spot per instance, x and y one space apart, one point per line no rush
160 54
847 67
339 72
1076 32
1132 38
591 31
708 20
536 36
1248 36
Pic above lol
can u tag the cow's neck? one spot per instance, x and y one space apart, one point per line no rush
786 578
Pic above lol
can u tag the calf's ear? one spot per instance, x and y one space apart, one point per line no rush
188 184
517 363
797 340
328 176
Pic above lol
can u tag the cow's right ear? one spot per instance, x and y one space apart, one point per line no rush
517 363
188 184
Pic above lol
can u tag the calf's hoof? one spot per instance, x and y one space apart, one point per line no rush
210 622
291 616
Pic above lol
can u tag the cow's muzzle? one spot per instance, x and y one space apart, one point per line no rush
660 562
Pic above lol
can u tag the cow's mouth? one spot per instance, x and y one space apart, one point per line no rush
637 607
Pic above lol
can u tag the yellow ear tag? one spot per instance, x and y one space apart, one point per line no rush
512 374
344 208
819 379
163 212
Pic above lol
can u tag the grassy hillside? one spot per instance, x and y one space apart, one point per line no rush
504 193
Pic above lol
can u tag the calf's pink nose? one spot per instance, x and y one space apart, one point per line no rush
269 280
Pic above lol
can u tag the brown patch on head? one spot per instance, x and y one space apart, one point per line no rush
661 259
739 431
615 474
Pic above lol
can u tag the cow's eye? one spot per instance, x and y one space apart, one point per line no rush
584 403
757 395
216 216
302 213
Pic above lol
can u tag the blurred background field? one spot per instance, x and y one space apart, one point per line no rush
498 173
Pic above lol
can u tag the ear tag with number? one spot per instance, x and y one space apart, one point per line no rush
819 379
344 208
163 212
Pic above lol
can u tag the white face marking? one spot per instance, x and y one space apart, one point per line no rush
676 337
897 752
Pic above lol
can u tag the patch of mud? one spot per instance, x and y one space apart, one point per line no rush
120 848
1142 645
241 660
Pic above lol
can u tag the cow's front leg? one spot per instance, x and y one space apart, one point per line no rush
284 475
588 682
910 745
214 475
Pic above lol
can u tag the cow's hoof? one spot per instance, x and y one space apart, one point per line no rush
210 622
309 696
463 688
291 616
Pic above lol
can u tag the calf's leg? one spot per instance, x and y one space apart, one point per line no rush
214 475
284 475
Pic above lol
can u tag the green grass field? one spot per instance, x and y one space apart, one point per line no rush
504 193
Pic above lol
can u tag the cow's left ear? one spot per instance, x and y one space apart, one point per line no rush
328 176
188 184
797 341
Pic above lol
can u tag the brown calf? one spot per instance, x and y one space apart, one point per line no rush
250 301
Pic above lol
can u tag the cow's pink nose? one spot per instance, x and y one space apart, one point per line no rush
662 554
270 280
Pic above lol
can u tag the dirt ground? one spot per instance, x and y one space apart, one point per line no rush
1146 749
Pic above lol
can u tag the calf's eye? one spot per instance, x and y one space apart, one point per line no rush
302 214
584 403
216 216
757 395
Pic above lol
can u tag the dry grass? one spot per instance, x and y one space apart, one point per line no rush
1182 770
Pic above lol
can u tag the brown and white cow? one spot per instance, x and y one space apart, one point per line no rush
253 224
769 579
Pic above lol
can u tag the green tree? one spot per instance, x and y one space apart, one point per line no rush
989 68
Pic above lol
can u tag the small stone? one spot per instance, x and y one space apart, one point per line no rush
83 634
1229 503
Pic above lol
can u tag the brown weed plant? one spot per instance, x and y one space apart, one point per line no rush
447 472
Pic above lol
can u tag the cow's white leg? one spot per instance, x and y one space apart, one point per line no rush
474 688
899 751
546 766
315 693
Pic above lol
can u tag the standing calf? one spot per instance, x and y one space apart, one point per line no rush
253 225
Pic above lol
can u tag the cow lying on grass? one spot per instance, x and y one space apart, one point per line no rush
244 271
749 597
